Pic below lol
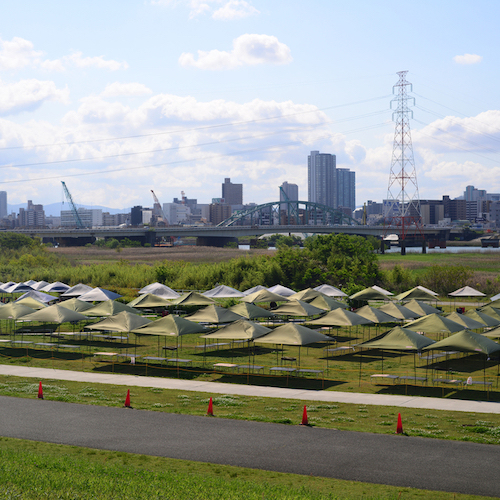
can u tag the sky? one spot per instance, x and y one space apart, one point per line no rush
120 97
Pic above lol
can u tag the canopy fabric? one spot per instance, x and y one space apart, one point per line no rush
160 290
254 289
223 292
340 317
399 339
421 308
4 286
30 282
415 293
76 304
420 287
306 295
494 303
297 308
77 290
39 296
399 311
434 323
32 302
148 300
327 303
13 310
466 341
250 311
291 334
171 326
467 291
239 330
282 290
121 322
330 290
376 315
467 322
99 295
263 296
193 299
494 333
55 314
495 297
369 294
17 288
109 308
39 285
491 311
382 290
56 287
484 318
214 314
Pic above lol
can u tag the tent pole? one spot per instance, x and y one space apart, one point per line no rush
360 357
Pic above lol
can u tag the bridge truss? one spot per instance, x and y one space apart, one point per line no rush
291 213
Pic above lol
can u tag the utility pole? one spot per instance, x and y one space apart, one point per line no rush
402 207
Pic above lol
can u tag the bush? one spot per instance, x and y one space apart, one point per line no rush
446 279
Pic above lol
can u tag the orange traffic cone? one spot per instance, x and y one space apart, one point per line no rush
40 391
210 410
127 400
399 428
304 417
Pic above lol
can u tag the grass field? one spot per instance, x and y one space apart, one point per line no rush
33 470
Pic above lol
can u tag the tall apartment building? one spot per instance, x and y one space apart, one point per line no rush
33 216
219 212
329 185
232 193
3 204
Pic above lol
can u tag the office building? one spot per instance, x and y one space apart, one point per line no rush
33 216
321 178
219 212
89 217
346 189
3 204
232 194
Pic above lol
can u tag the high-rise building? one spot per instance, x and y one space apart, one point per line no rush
232 193
290 192
321 177
346 189
33 216
3 204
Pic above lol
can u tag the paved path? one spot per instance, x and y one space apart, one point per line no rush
386 459
252 390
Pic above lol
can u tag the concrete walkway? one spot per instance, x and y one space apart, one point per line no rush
252 390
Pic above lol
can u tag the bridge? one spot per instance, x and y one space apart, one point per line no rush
214 236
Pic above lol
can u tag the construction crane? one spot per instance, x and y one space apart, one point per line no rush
78 220
159 208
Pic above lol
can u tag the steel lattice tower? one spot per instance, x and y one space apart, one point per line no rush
402 208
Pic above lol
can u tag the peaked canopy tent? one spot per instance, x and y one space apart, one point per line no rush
77 290
76 304
14 311
399 311
298 308
109 308
56 287
263 296
148 301
427 290
17 288
369 294
192 299
306 295
421 308
327 303
467 291
481 317
415 293
494 303
55 314
254 289
250 311
434 323
282 290
340 317
214 314
382 290
32 302
121 322
467 322
39 296
160 290
39 285
376 315
491 311
330 291
291 334
99 295
223 292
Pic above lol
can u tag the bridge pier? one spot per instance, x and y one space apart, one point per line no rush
215 241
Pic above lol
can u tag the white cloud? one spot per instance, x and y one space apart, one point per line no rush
117 89
248 49
98 62
220 10
28 95
468 59
235 9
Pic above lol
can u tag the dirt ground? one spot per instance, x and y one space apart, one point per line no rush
94 255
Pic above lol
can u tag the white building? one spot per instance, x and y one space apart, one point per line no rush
177 213
89 217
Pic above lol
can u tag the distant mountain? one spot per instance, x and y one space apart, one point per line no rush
54 209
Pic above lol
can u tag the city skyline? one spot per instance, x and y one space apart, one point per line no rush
176 96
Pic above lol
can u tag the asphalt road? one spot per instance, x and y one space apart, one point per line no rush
395 460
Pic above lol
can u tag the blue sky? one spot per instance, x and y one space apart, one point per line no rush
120 97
